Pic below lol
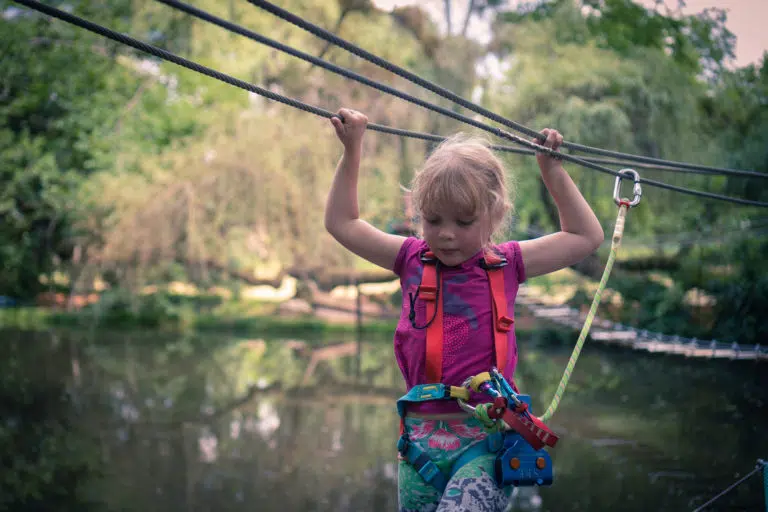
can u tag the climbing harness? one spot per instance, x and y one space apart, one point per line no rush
618 231
521 460
516 436
517 461
429 291
509 407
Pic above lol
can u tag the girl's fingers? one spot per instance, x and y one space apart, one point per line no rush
547 142
338 126
552 139
349 116
345 115
558 140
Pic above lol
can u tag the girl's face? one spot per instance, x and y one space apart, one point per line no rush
454 237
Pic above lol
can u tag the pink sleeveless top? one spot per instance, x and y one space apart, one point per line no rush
467 321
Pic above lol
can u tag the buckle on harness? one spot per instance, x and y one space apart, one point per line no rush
504 323
427 292
428 257
492 261
402 445
431 392
415 456
429 471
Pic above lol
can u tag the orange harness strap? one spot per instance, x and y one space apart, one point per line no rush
429 291
494 267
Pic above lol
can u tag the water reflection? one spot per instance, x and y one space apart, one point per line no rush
143 422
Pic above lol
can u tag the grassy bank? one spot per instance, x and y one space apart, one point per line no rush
242 321
263 323
208 313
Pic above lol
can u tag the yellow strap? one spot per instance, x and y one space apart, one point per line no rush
460 392
479 379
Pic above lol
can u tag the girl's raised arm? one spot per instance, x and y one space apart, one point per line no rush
342 214
580 231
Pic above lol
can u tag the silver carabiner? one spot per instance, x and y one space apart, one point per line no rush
464 405
637 190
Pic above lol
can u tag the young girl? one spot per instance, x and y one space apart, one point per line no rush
461 196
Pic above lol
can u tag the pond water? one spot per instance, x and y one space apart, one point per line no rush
155 421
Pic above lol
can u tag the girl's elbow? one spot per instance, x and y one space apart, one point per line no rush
331 224
337 229
597 238
332 228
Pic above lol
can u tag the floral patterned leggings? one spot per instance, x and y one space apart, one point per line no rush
471 488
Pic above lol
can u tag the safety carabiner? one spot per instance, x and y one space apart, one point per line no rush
464 405
637 190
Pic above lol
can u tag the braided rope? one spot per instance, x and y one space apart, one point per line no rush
615 243
333 68
449 95
481 413
194 66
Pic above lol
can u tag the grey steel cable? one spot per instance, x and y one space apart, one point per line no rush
760 465
445 93
180 61
254 36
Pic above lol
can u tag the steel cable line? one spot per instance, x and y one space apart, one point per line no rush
704 237
445 93
254 36
194 66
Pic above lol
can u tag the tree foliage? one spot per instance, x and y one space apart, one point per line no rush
117 164
617 75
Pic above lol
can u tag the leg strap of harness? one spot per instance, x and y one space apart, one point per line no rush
429 471
418 458
491 444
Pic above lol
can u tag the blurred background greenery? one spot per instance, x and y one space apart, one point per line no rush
142 204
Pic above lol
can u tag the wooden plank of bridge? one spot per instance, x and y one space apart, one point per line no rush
609 332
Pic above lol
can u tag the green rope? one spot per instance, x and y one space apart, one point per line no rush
615 243
481 413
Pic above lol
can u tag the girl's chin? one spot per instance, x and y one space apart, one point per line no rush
451 258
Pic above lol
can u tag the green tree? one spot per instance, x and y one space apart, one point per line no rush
58 91
614 74
63 109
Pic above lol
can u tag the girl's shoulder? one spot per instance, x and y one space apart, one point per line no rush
511 252
409 253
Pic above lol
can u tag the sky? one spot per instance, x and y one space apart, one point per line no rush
747 20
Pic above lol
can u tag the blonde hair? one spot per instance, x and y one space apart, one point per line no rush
464 174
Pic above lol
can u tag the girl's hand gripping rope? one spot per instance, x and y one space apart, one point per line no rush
553 140
342 212
350 127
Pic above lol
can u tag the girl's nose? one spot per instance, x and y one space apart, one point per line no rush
446 233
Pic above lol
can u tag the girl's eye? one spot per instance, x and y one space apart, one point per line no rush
432 220
465 223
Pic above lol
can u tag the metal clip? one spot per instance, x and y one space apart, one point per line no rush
464 405
637 190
